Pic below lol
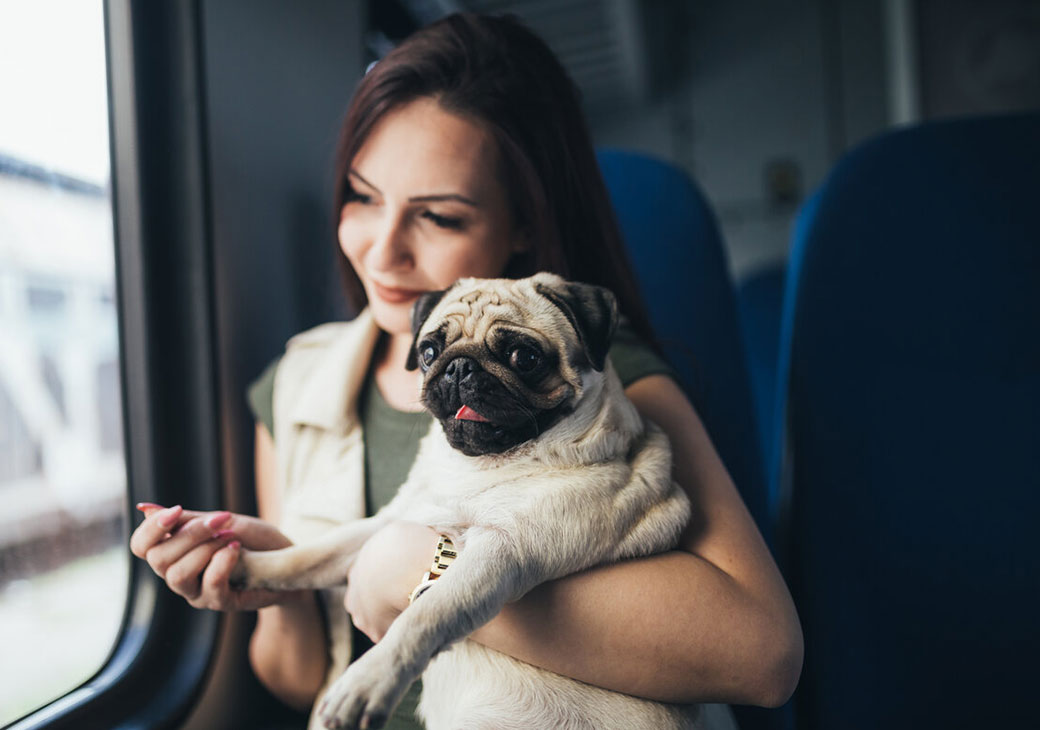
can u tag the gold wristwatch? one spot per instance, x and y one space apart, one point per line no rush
443 557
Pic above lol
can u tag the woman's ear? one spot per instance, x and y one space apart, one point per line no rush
521 242
521 261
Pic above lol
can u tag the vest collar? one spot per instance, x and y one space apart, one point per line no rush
329 399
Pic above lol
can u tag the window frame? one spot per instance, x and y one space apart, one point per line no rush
167 328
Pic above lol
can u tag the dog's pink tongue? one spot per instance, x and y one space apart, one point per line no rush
468 414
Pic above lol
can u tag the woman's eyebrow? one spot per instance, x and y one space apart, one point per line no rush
354 173
444 196
422 198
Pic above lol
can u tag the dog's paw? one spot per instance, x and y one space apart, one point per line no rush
364 697
238 580
243 577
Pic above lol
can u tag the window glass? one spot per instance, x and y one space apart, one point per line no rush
64 568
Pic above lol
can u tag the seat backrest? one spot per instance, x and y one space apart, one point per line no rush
759 303
674 244
911 366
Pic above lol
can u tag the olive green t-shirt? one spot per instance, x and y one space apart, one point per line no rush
391 442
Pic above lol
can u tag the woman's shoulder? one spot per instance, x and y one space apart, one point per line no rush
260 396
320 336
303 352
313 340
633 358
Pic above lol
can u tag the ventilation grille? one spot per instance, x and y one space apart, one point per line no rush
599 42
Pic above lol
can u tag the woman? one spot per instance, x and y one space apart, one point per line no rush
464 153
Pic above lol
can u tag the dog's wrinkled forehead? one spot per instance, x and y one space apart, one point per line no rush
471 308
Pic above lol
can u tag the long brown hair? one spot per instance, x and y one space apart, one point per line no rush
496 71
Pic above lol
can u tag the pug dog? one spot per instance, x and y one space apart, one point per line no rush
536 466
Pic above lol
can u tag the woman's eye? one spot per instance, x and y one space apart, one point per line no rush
525 359
427 355
353 196
443 221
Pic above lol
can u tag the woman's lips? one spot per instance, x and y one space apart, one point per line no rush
395 296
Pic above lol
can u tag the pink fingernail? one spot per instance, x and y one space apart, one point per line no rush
218 520
234 544
168 516
222 534
148 507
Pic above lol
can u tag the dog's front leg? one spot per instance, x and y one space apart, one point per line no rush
484 577
321 563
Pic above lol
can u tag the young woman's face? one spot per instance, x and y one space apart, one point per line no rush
426 207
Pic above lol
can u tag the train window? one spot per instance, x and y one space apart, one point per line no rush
64 568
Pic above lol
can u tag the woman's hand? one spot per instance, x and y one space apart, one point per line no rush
389 565
194 552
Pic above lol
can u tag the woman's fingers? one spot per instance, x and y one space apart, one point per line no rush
218 595
257 534
182 540
160 523
184 577
214 580
156 526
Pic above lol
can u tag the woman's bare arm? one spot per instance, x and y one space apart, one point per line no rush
712 621
287 650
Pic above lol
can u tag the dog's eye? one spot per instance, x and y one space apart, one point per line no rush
525 359
427 354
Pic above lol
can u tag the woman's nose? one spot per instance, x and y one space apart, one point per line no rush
391 245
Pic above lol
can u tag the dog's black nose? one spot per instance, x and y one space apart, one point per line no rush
459 368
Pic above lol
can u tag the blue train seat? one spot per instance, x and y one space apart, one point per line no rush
759 303
911 470
673 242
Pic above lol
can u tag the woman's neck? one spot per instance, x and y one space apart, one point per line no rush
399 387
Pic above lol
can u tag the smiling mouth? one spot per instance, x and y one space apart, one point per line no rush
395 296
468 414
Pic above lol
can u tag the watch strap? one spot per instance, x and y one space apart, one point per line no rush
443 557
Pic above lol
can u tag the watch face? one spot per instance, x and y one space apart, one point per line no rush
444 556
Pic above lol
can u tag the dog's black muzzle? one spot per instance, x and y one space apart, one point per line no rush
463 382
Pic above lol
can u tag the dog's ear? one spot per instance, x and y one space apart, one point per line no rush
592 311
420 313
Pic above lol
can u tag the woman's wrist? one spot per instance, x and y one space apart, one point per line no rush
291 601
443 556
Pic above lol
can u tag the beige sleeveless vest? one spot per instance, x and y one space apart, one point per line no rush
319 448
